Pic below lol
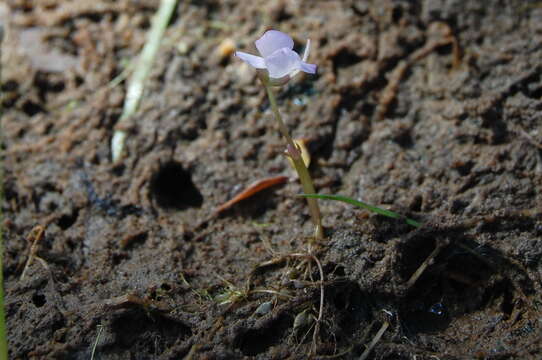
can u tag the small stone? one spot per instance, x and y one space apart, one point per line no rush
264 308
183 48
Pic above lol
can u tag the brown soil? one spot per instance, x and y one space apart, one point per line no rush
430 108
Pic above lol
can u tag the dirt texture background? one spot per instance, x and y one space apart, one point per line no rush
429 108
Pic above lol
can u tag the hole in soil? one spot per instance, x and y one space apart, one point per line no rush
118 170
67 221
10 85
368 109
339 271
172 187
257 341
38 300
147 336
58 324
165 287
533 92
31 108
351 309
118 257
404 138
463 167
457 205
79 81
397 14
345 58
413 253
425 321
46 83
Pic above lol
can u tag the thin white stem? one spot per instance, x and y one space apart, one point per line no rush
137 81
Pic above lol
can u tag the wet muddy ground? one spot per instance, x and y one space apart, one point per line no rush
429 108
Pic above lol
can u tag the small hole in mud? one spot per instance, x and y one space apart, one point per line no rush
345 58
397 14
31 108
38 300
66 221
463 167
413 253
118 257
404 138
533 92
118 170
172 187
148 336
339 271
10 85
457 205
165 287
79 81
368 109
257 341
47 83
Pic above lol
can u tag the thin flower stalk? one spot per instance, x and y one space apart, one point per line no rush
277 65
299 165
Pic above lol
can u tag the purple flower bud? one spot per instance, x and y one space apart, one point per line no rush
278 56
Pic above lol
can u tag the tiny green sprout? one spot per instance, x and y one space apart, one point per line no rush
277 65
365 206
231 294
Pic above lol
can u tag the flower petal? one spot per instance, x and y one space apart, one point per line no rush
282 62
308 68
272 41
252 60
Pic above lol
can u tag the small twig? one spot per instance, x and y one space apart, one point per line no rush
193 350
321 309
137 81
35 236
272 292
280 259
528 137
425 264
100 329
122 76
129 300
375 340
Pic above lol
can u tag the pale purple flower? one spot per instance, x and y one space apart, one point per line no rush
278 56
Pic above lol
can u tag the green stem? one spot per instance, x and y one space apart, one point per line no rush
299 164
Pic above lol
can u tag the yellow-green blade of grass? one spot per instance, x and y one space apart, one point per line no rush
365 206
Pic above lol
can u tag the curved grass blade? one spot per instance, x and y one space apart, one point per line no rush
363 205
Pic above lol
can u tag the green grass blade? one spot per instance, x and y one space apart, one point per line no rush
363 205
